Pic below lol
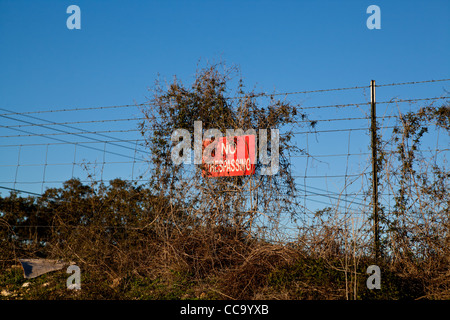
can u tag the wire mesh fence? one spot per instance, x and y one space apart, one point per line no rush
44 148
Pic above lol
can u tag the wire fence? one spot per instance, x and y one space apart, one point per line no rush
44 148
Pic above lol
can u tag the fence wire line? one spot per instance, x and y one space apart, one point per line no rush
49 123
139 119
301 107
64 125
242 97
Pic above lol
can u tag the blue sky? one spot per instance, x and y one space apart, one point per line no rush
287 45
281 46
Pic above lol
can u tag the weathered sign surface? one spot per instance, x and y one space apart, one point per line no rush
238 157
33 268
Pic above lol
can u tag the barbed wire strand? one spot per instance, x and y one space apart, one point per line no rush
241 97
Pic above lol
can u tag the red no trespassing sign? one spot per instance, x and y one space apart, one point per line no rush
229 156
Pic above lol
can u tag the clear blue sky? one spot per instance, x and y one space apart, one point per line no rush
287 45
279 45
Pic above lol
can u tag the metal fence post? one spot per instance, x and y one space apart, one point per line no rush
373 130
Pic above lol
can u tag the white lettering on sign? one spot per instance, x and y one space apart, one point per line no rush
212 154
